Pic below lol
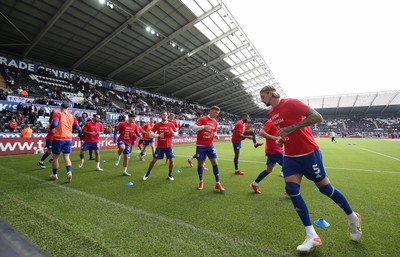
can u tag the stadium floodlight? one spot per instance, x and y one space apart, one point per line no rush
148 29
102 1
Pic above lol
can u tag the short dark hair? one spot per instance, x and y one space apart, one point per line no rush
131 115
65 106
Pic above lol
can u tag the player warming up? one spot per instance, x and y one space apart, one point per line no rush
126 130
206 128
273 151
147 139
49 146
62 126
92 131
303 157
240 133
163 131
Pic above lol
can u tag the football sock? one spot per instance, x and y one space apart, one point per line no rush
261 176
148 172
310 231
55 171
98 165
236 162
69 168
200 172
170 173
216 173
337 197
45 155
254 138
293 190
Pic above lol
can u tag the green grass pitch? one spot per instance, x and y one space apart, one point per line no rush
98 215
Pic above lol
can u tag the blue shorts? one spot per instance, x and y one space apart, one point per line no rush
159 153
237 146
202 151
140 142
148 141
133 141
272 159
127 149
90 145
310 165
49 143
62 146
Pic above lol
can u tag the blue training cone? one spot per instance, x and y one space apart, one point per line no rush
129 184
177 171
103 160
316 189
322 223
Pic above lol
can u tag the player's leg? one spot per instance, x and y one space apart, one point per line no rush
121 148
200 156
236 150
169 154
97 156
158 155
46 154
66 149
143 152
190 160
126 153
326 188
270 166
212 156
84 148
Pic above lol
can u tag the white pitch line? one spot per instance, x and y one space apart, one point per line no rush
336 168
163 219
388 156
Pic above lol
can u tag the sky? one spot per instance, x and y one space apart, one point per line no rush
320 47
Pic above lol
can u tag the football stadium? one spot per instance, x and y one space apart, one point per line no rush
156 128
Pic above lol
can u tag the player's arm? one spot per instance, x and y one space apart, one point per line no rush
56 120
264 134
154 134
115 134
75 125
196 127
312 117
174 132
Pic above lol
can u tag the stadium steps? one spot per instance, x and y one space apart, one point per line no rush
3 83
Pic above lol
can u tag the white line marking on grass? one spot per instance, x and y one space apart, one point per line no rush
163 219
336 168
388 156
382 171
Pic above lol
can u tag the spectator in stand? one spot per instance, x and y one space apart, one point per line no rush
20 119
12 125
109 129
26 132
20 108
47 110
24 93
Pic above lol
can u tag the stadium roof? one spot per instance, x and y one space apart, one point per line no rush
384 103
190 49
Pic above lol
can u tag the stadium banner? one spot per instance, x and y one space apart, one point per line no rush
14 146
14 98
12 107
34 67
